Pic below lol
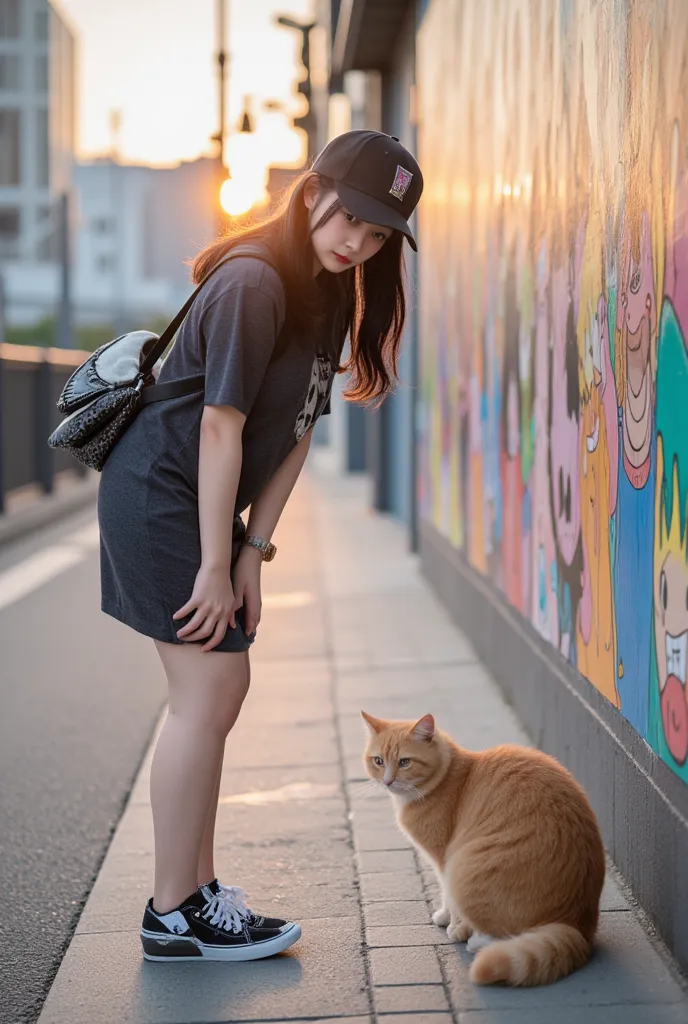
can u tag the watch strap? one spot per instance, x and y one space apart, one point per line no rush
266 548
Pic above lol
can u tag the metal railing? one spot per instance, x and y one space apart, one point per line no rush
31 379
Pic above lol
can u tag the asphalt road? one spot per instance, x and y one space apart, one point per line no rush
79 698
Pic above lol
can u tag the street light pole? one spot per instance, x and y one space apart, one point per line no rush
307 121
65 338
222 61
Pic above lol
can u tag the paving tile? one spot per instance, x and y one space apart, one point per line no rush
380 839
104 979
354 770
288 745
403 912
368 799
625 969
391 886
612 897
412 935
373 816
371 861
627 1014
406 965
418 681
410 998
417 1018
266 779
339 1020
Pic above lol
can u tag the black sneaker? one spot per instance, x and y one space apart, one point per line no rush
235 897
209 929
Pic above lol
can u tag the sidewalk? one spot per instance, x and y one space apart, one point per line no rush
348 624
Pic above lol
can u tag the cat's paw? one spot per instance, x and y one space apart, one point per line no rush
478 941
459 931
441 917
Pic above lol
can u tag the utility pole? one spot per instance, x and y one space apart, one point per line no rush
307 121
119 226
219 137
2 309
65 337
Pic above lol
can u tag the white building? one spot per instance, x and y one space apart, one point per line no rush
37 121
136 228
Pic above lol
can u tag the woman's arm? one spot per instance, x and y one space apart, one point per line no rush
219 468
265 513
269 505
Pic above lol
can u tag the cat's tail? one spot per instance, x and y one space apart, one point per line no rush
537 957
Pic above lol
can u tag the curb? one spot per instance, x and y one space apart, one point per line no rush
48 509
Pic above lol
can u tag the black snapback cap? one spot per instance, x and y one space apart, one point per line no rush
375 177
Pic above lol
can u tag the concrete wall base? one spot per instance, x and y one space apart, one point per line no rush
641 805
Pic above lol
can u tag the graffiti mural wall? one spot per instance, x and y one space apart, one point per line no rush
554 327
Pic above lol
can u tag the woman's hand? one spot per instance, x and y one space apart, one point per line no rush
213 604
246 581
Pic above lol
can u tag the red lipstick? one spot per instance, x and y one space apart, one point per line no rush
343 259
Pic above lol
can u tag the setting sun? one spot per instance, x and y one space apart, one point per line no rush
239 195
249 156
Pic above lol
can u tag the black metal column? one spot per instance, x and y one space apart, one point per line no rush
43 419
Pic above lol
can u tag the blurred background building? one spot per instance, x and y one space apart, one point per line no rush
136 229
90 247
37 138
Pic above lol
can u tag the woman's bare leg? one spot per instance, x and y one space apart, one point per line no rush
206 861
206 692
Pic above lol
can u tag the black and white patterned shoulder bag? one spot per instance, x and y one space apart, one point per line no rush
105 393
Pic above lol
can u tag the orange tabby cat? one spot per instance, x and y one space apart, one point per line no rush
513 840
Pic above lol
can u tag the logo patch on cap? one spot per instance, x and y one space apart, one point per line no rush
402 180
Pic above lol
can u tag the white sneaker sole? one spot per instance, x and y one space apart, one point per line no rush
180 947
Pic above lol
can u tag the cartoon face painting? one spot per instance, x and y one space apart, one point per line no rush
637 324
671 617
670 570
564 425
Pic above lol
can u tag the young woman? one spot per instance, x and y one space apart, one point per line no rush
177 564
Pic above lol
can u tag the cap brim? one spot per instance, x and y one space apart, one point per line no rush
373 211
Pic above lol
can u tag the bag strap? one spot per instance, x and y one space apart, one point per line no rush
247 249
173 389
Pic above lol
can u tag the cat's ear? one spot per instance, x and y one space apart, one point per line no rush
424 729
373 725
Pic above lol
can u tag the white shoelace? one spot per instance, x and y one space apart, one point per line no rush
237 898
223 911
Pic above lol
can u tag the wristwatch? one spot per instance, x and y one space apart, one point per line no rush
267 550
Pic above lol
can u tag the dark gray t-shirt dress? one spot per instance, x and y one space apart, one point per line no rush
148 495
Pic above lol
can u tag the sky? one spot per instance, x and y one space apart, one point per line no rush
154 60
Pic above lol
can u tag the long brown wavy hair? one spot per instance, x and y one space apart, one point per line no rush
368 299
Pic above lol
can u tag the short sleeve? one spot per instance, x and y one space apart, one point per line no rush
240 328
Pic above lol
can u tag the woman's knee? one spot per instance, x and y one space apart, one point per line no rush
206 690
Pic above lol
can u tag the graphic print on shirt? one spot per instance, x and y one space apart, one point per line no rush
318 394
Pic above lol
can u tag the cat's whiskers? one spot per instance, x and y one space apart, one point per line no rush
410 788
367 790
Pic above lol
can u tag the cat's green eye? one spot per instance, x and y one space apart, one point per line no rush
378 761
404 762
